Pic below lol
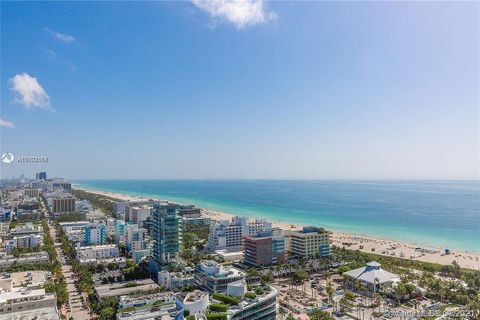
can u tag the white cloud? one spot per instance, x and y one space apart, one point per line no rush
6 124
29 92
241 13
61 36
51 55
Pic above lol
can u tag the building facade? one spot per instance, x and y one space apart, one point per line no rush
228 235
264 249
165 234
135 238
214 278
94 234
98 252
63 204
27 241
310 242
32 193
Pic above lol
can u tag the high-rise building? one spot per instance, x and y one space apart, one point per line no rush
66 186
165 234
310 242
137 215
228 235
33 193
41 176
63 204
264 249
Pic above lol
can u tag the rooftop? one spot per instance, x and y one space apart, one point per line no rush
48 313
372 273
122 288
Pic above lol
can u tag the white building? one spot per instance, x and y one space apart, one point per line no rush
372 277
138 215
135 237
28 241
214 278
17 299
98 252
75 225
195 302
228 235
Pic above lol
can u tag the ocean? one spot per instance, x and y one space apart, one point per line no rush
443 214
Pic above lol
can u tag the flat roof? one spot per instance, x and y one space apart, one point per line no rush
118 289
48 313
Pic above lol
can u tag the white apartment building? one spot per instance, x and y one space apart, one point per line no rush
98 252
18 299
228 235
135 237
71 226
139 214
27 241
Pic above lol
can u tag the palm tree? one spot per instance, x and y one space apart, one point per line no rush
330 291
282 312
377 298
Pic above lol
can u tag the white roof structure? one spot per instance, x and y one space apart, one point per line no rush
371 272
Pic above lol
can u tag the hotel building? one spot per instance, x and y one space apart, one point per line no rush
310 242
228 235
264 249
32 193
63 204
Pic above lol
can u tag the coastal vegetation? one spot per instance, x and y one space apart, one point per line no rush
194 236
98 201
71 217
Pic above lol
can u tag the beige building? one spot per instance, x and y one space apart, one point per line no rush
63 204
310 242
32 193
17 299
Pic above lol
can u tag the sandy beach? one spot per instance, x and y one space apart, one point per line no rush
363 243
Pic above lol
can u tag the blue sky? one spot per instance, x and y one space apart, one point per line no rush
315 90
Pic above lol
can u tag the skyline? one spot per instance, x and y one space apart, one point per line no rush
267 90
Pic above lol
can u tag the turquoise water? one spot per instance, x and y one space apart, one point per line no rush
438 213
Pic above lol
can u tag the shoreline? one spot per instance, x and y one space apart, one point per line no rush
364 243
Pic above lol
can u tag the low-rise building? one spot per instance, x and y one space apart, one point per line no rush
21 299
73 226
94 234
125 302
372 277
263 307
213 277
167 311
38 257
195 302
126 288
22 242
121 262
98 252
